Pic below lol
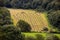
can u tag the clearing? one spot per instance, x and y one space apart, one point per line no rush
37 20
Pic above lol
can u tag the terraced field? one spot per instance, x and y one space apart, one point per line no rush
35 19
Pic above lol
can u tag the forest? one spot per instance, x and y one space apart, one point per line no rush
41 5
47 9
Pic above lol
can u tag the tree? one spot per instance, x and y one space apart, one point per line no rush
24 26
9 32
1 3
54 18
5 17
39 5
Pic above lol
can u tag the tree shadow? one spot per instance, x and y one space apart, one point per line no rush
24 26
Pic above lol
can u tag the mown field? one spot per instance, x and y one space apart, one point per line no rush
36 20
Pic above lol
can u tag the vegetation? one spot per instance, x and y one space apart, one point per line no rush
5 17
10 32
39 37
7 30
42 36
54 18
24 26
41 5
30 38
52 37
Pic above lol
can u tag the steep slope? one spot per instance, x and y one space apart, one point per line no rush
35 19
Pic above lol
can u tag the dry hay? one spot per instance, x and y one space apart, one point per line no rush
35 19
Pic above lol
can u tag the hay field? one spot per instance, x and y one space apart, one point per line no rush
35 19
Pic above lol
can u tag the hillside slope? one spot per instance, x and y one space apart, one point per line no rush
35 19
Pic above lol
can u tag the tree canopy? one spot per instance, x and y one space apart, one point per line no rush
54 18
5 17
32 4
24 26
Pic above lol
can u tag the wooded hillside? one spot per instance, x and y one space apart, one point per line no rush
43 5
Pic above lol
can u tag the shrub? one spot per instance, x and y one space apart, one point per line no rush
39 37
25 27
45 29
52 37
10 33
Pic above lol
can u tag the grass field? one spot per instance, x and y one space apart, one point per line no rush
34 34
35 19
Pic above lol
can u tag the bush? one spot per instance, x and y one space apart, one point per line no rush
52 37
45 29
10 33
24 26
39 37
